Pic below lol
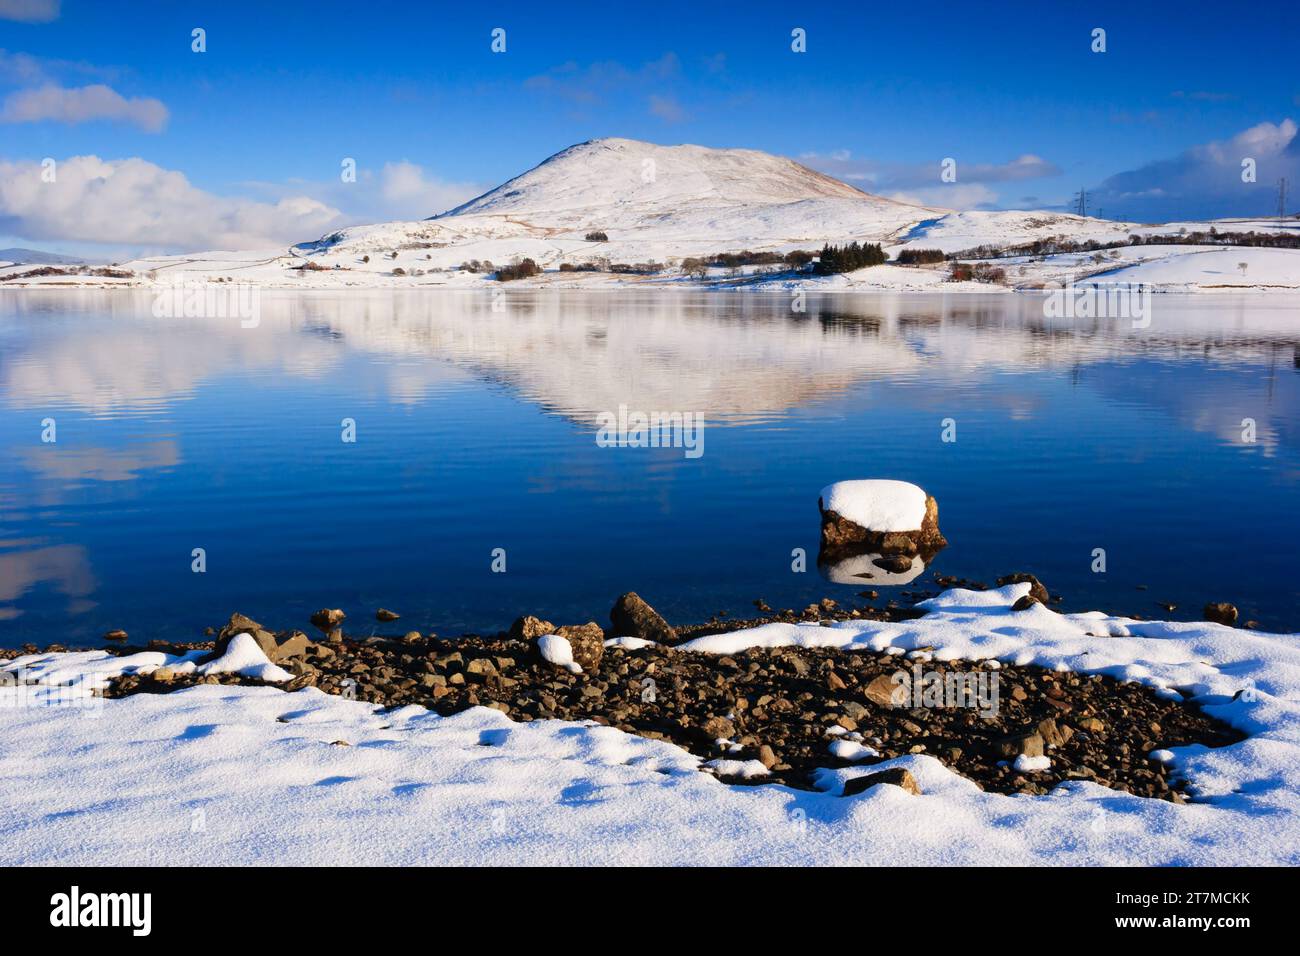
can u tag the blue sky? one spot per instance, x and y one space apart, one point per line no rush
259 123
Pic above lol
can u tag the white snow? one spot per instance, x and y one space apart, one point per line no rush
218 774
243 656
1027 764
742 769
851 750
877 504
558 651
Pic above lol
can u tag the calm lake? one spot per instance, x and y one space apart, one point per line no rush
476 427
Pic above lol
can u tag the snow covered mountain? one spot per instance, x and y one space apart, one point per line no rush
644 203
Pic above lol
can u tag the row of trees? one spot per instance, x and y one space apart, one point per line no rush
855 255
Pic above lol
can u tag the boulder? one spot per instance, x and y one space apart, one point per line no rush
291 644
884 691
633 617
898 777
1220 613
1036 589
529 628
328 620
882 516
385 615
587 641
1029 744
1025 603
242 624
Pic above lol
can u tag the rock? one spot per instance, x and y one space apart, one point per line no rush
292 644
898 777
840 535
1052 734
1030 744
1025 603
834 682
893 563
327 620
242 624
480 669
1220 613
1092 725
718 727
885 692
115 635
1036 588
587 641
633 617
529 628
767 757
383 614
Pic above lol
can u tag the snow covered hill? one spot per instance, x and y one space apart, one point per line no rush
653 206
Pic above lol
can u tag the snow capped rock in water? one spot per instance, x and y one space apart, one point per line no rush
877 504
878 515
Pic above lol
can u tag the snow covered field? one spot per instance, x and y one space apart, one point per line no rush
234 775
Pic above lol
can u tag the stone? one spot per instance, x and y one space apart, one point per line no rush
291 644
767 757
898 777
885 692
1025 603
529 628
587 641
1220 613
718 727
1030 744
383 614
633 617
327 619
1036 588
834 682
840 536
115 635
242 624
1054 735
1092 725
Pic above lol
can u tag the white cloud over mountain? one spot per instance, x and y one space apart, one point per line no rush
1206 180
135 202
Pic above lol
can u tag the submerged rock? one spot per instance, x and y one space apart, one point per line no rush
327 619
383 614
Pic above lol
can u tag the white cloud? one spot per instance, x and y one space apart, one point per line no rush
921 176
1205 181
958 196
134 202
667 109
82 104
407 191
29 11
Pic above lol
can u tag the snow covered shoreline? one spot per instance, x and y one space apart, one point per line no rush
224 774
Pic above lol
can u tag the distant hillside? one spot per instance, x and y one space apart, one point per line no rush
38 257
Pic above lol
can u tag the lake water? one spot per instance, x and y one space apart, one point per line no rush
476 430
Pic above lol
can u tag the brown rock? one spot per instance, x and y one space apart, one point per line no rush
1030 744
327 620
767 757
884 692
1052 734
633 617
1220 613
242 624
842 536
115 635
718 727
587 641
383 614
898 777
1036 588
529 628
291 644
1025 603
834 682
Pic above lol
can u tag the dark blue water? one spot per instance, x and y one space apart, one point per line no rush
475 430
